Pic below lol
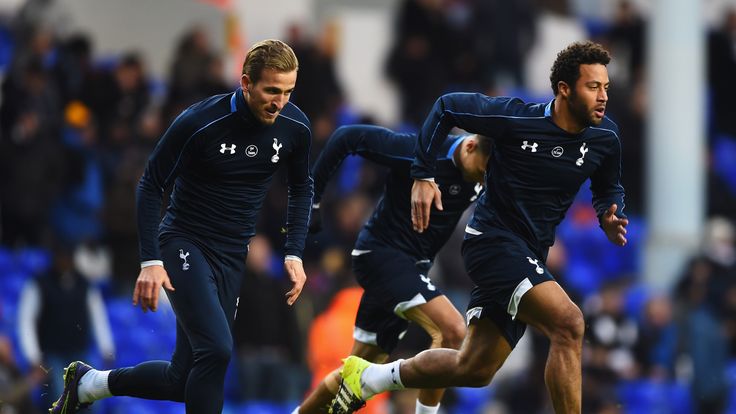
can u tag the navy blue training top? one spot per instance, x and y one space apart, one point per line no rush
221 159
537 167
391 220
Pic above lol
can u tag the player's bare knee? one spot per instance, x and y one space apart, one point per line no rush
569 328
453 335
437 338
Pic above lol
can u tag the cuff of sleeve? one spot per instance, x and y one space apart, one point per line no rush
292 257
430 179
148 263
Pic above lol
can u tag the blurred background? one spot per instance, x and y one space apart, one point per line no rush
88 86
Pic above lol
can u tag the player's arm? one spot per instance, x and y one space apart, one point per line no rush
301 191
608 196
161 170
473 112
377 144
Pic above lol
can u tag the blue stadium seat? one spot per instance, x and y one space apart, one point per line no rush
471 400
7 45
7 261
126 405
262 407
731 378
12 285
724 160
649 397
34 260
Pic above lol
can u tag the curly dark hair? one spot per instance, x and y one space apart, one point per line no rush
567 65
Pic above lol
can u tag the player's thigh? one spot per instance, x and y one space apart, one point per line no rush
485 347
547 307
195 299
439 316
504 270
393 283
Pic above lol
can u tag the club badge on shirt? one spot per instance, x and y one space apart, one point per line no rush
276 146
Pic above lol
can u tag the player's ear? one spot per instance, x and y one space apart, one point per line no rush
564 89
245 82
471 145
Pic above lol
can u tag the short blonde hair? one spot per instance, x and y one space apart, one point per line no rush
271 54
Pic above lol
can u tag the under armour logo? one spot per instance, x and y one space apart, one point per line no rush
276 147
478 188
535 262
583 151
526 145
428 281
224 147
183 256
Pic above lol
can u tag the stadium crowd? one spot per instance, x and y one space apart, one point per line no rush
76 131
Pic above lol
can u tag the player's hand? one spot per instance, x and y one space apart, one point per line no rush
614 227
295 269
148 286
423 194
315 221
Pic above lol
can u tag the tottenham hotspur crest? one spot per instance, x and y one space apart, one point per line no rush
183 256
276 147
583 150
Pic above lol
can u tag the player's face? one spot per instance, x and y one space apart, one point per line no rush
588 99
474 162
267 97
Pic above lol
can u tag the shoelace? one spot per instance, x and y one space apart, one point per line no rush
345 402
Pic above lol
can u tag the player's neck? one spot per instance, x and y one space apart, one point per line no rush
562 117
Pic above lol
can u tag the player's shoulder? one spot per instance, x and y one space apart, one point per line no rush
294 116
607 126
515 107
205 112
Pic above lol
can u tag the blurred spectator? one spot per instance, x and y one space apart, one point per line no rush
705 293
118 100
15 388
74 69
627 37
119 211
33 165
504 33
721 67
270 352
76 213
58 313
610 330
331 339
196 73
416 62
34 14
657 348
608 355
317 75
